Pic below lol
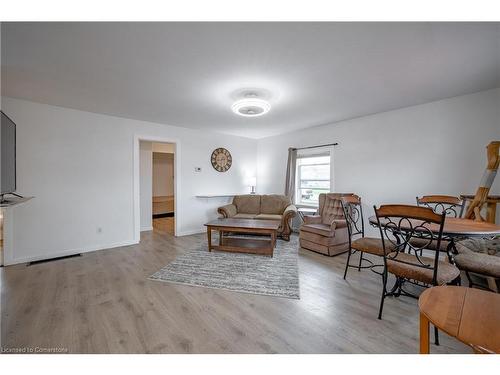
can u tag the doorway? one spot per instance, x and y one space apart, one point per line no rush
163 198
156 187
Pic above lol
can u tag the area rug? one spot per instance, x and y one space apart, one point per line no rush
246 273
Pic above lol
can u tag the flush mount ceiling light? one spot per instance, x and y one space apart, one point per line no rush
251 107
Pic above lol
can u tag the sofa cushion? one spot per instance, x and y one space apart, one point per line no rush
247 204
245 216
269 217
274 204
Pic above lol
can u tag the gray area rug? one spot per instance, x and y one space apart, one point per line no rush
277 276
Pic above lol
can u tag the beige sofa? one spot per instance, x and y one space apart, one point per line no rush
326 233
262 207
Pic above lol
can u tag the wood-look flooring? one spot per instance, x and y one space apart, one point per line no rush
102 302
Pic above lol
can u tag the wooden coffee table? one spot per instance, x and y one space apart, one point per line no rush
246 226
470 315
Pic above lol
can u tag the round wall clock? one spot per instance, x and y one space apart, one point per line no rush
221 159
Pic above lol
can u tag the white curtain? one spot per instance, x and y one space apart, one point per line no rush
290 174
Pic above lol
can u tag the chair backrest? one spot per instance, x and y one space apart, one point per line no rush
330 207
452 206
398 224
353 213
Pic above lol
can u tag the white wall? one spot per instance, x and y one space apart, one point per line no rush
80 168
145 184
394 156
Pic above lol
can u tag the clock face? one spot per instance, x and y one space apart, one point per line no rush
221 159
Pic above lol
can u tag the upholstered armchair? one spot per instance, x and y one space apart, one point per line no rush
262 207
326 232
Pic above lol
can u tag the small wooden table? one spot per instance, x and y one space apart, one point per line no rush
244 245
470 315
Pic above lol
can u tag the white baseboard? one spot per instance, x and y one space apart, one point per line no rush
145 229
10 262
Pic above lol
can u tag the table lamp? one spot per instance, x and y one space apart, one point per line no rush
252 182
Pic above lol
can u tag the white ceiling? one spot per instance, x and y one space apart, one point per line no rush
189 74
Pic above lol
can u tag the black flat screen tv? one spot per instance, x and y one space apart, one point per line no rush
7 155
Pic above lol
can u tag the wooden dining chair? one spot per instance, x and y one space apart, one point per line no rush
398 225
353 213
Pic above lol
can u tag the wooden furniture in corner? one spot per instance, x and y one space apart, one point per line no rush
470 315
476 204
491 205
245 226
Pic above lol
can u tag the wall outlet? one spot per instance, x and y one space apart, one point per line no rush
197 169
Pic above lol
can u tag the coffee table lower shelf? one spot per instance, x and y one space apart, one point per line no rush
244 245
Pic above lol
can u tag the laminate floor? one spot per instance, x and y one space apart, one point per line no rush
102 302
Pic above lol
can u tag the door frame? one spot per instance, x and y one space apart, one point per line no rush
177 180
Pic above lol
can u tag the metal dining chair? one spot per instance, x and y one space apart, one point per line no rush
353 213
449 205
399 225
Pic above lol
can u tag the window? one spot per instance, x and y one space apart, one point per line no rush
313 178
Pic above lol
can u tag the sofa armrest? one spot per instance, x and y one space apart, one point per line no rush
290 211
286 222
312 219
229 210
